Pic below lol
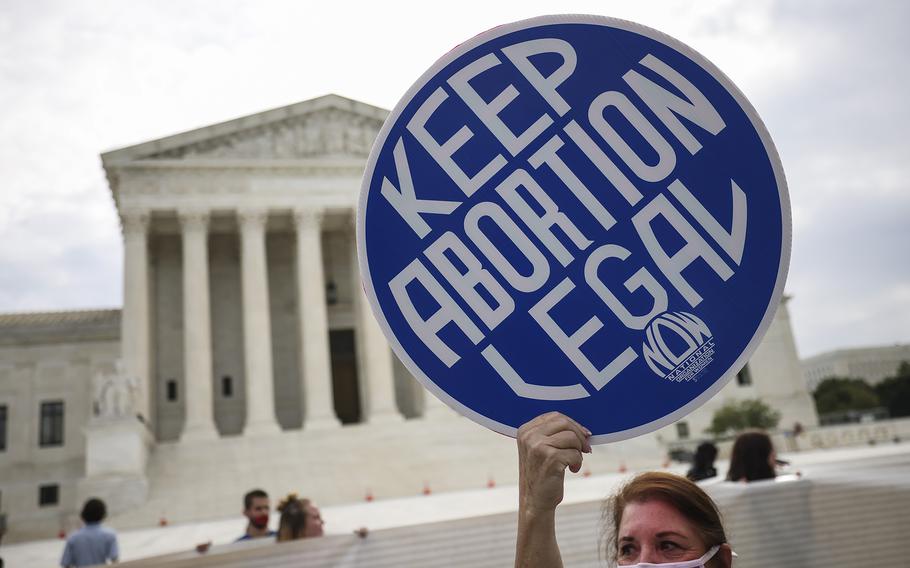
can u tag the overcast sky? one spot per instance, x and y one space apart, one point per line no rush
829 78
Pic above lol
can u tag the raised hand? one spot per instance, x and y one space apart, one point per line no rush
547 445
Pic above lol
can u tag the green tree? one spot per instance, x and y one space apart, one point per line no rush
736 416
894 392
842 394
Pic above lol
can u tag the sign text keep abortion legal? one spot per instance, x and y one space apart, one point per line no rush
540 200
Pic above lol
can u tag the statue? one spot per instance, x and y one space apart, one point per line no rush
114 394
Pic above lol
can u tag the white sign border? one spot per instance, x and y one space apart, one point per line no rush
718 75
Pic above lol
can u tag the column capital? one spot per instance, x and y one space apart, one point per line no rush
193 219
134 221
306 217
252 217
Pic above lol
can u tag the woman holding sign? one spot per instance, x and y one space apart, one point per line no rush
659 180
656 518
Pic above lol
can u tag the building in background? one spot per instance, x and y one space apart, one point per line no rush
872 364
245 354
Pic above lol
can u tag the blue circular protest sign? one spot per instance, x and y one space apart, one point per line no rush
574 213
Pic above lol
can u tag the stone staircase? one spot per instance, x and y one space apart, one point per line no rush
194 481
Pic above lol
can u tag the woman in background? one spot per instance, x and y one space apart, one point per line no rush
753 457
299 519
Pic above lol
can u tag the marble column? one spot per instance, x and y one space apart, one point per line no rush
135 329
257 330
377 362
319 405
197 328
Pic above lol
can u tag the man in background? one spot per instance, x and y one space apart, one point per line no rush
256 510
92 544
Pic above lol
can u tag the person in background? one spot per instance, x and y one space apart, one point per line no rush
703 462
256 509
752 458
92 544
656 518
299 519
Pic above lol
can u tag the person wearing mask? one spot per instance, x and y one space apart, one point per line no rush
752 458
92 544
256 508
655 518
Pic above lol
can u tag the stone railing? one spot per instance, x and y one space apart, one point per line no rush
816 437
842 435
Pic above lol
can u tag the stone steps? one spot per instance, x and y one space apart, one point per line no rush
194 481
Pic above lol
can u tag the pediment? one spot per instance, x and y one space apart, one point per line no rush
323 127
328 132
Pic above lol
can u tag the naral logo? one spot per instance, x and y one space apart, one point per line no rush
679 346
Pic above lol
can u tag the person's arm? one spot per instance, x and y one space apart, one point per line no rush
114 553
547 445
67 559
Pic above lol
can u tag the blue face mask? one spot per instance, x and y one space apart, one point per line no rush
697 563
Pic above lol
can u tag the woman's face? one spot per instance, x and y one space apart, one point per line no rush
314 523
655 532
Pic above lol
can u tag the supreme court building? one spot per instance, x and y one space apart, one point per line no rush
246 355
242 311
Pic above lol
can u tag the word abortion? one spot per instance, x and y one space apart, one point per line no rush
540 215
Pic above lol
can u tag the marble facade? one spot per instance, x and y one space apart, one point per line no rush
233 236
